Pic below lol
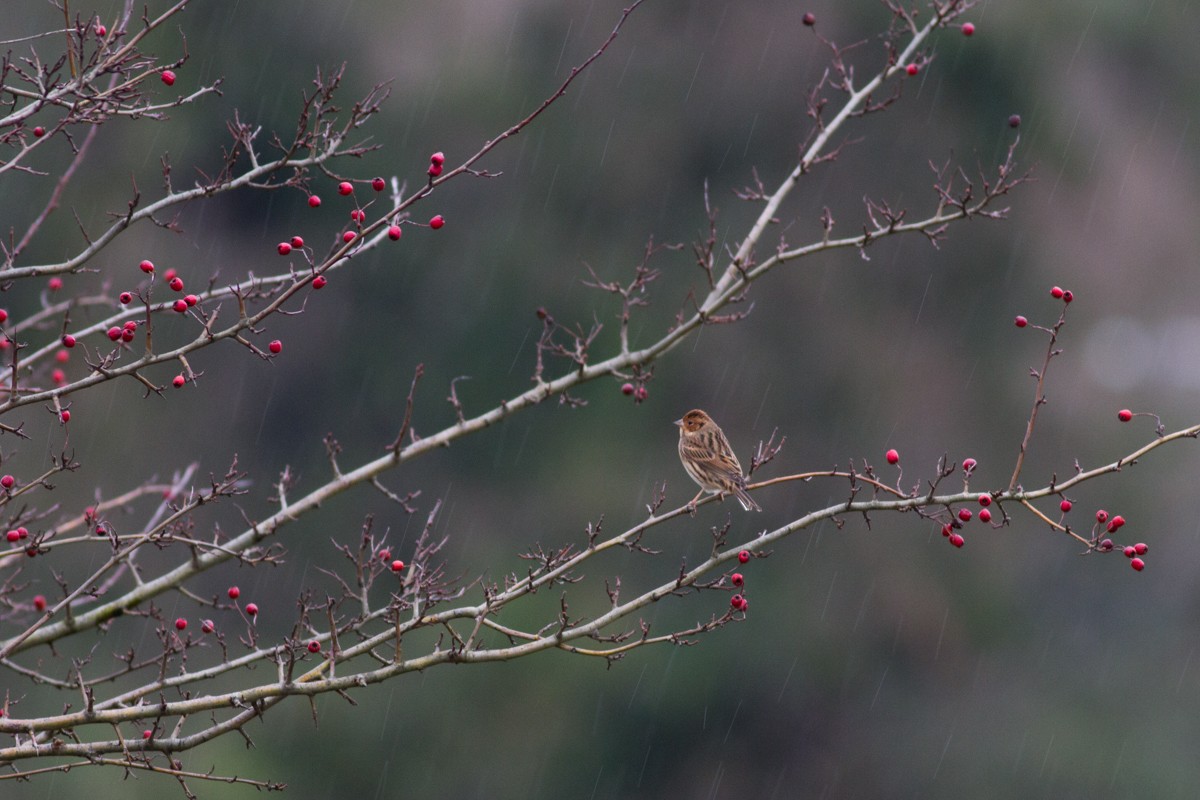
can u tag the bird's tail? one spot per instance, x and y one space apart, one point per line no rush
746 500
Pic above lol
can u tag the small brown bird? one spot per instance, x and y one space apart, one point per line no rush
709 460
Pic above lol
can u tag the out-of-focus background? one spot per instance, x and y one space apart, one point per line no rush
874 661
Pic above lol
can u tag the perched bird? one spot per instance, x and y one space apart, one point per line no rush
709 460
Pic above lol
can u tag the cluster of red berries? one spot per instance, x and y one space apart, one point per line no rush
357 215
964 514
435 164
1057 292
953 536
739 602
639 392
396 565
286 248
1112 524
206 625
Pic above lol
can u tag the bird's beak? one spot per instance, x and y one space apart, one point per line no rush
678 422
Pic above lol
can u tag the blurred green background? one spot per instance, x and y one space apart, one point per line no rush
873 662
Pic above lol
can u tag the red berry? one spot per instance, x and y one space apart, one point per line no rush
283 248
127 334
101 30
985 515
168 77
314 646
1137 564
23 532
7 481
297 242
969 465
234 592
146 266
1129 551
146 734
345 188
394 233
1056 293
170 273
957 540
39 131
736 602
641 393
385 555
114 333
180 624
191 299
1064 506
358 215
912 69
3 314
207 626
397 565
1106 545
743 556
1068 296
178 381
985 500
1020 321
12 536
176 284
54 284
964 514
68 340
437 222
1124 415
39 602
58 376
627 388
1140 548
378 184
968 28
319 282
180 306
434 170
275 346
348 236
62 356
1014 121
737 579
313 201
252 609
1102 516
438 158
809 19
947 530
892 457
1115 523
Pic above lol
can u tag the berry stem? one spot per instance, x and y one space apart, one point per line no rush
1039 398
